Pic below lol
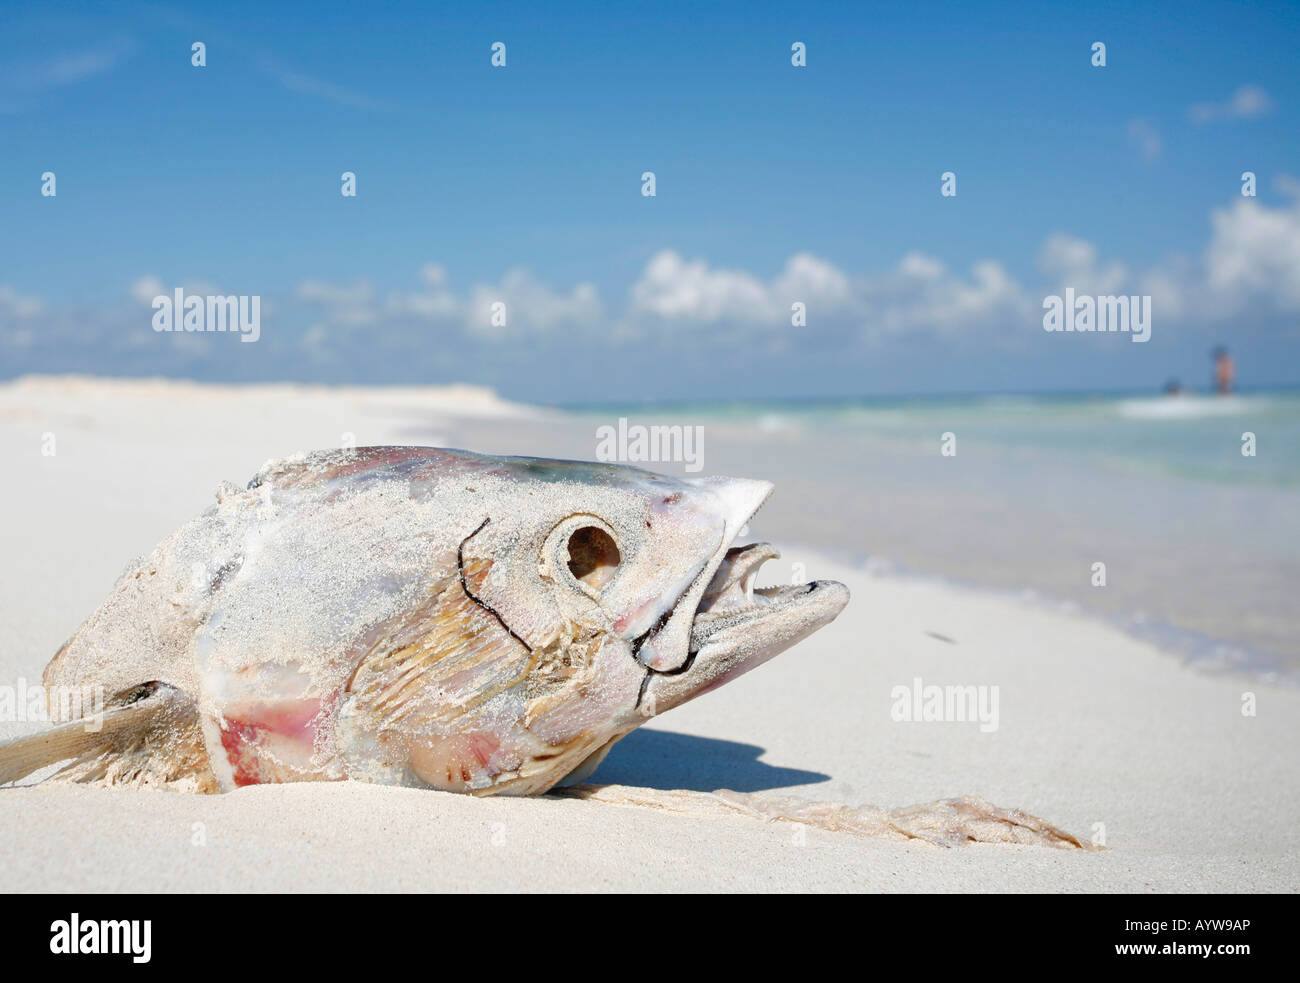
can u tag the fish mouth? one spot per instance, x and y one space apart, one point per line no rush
730 598
767 617
737 627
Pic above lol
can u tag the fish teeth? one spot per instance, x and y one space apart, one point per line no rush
732 587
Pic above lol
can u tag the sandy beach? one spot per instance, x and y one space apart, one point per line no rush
1099 732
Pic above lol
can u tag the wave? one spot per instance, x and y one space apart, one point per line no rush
1185 407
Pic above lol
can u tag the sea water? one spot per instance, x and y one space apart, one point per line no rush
1191 502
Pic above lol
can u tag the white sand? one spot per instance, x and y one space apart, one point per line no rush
1094 727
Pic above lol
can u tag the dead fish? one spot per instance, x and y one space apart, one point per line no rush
418 616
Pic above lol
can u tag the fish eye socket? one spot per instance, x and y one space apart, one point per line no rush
593 556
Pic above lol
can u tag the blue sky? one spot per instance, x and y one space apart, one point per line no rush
522 184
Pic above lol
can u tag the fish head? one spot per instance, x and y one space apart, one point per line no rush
538 610
607 594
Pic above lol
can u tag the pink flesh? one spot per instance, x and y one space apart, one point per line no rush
288 729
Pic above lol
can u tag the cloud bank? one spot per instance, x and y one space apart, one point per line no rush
1249 270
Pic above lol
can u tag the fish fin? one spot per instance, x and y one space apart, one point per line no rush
146 735
945 823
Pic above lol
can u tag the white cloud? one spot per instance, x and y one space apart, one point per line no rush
806 276
531 306
23 83
1072 262
919 295
1168 287
309 85
435 302
17 318
146 288
1144 136
1250 267
16 305
71 69
350 305
673 289
1247 102
1254 255
921 267
1287 185
1248 270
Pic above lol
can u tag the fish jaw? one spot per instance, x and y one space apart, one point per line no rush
737 628
732 502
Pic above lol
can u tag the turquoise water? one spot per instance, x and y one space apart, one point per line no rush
1191 436
1202 543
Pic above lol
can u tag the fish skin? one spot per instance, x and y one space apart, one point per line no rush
408 615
